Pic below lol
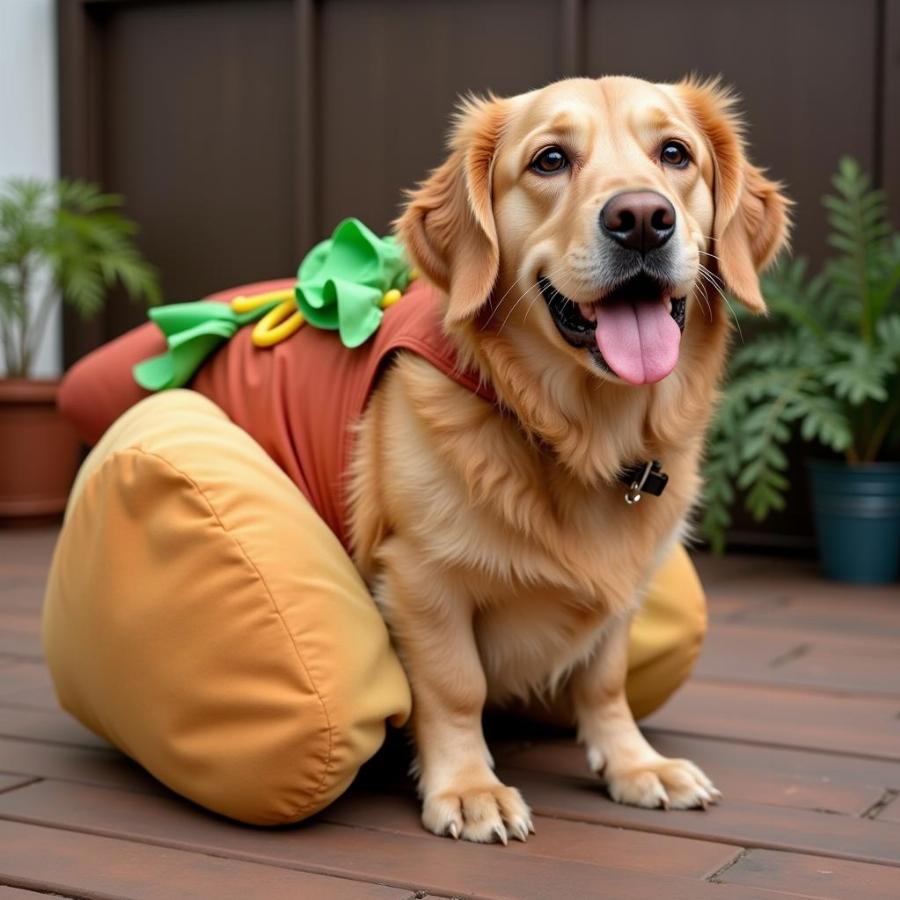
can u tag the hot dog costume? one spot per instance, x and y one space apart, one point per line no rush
297 397
202 613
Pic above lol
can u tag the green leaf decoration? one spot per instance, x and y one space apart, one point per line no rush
342 280
192 331
340 287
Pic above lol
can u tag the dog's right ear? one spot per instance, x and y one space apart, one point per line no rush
448 225
751 213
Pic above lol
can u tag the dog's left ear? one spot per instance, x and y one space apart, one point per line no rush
751 223
447 226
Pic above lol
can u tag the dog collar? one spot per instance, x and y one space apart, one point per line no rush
643 478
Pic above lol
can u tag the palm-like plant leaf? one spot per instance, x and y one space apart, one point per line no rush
77 234
826 365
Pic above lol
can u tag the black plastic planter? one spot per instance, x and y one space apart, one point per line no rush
857 513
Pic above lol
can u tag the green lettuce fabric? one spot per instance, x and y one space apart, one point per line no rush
341 281
340 286
192 331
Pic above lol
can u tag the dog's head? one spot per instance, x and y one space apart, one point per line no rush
594 222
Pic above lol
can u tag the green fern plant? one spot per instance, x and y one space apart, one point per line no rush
826 363
61 240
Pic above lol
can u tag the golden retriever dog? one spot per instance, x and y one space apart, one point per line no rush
580 233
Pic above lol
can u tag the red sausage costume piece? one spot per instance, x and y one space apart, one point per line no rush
298 399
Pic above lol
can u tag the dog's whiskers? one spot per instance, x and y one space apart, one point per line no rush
705 298
707 253
530 306
497 304
708 279
712 275
711 280
553 273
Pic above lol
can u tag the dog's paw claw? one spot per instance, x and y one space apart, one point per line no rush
483 813
520 830
665 783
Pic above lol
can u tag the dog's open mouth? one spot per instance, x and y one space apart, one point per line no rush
633 331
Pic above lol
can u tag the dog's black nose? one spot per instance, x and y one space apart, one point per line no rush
638 220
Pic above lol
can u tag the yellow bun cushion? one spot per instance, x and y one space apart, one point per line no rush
666 634
203 619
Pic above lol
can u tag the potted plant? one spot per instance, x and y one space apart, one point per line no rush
826 364
59 241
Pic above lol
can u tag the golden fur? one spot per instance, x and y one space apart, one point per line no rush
498 545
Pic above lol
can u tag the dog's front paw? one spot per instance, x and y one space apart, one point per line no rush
666 783
485 813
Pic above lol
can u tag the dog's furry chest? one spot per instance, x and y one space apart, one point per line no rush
542 559
531 640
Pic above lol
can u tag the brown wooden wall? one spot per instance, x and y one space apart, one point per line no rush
242 131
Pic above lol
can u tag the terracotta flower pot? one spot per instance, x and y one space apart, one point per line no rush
39 451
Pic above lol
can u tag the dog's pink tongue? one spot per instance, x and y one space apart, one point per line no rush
639 339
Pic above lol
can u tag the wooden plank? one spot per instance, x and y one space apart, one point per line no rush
832 667
793 778
27 549
433 864
741 652
20 620
554 838
788 595
890 103
862 726
571 39
38 697
9 782
743 823
27 684
46 726
82 114
717 572
365 91
49 859
23 674
814 875
756 581
104 768
14 893
20 635
891 809
306 127
823 613
860 773
22 589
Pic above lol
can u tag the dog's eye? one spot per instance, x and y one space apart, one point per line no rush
675 154
550 161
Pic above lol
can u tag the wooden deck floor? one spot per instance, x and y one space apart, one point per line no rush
794 711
